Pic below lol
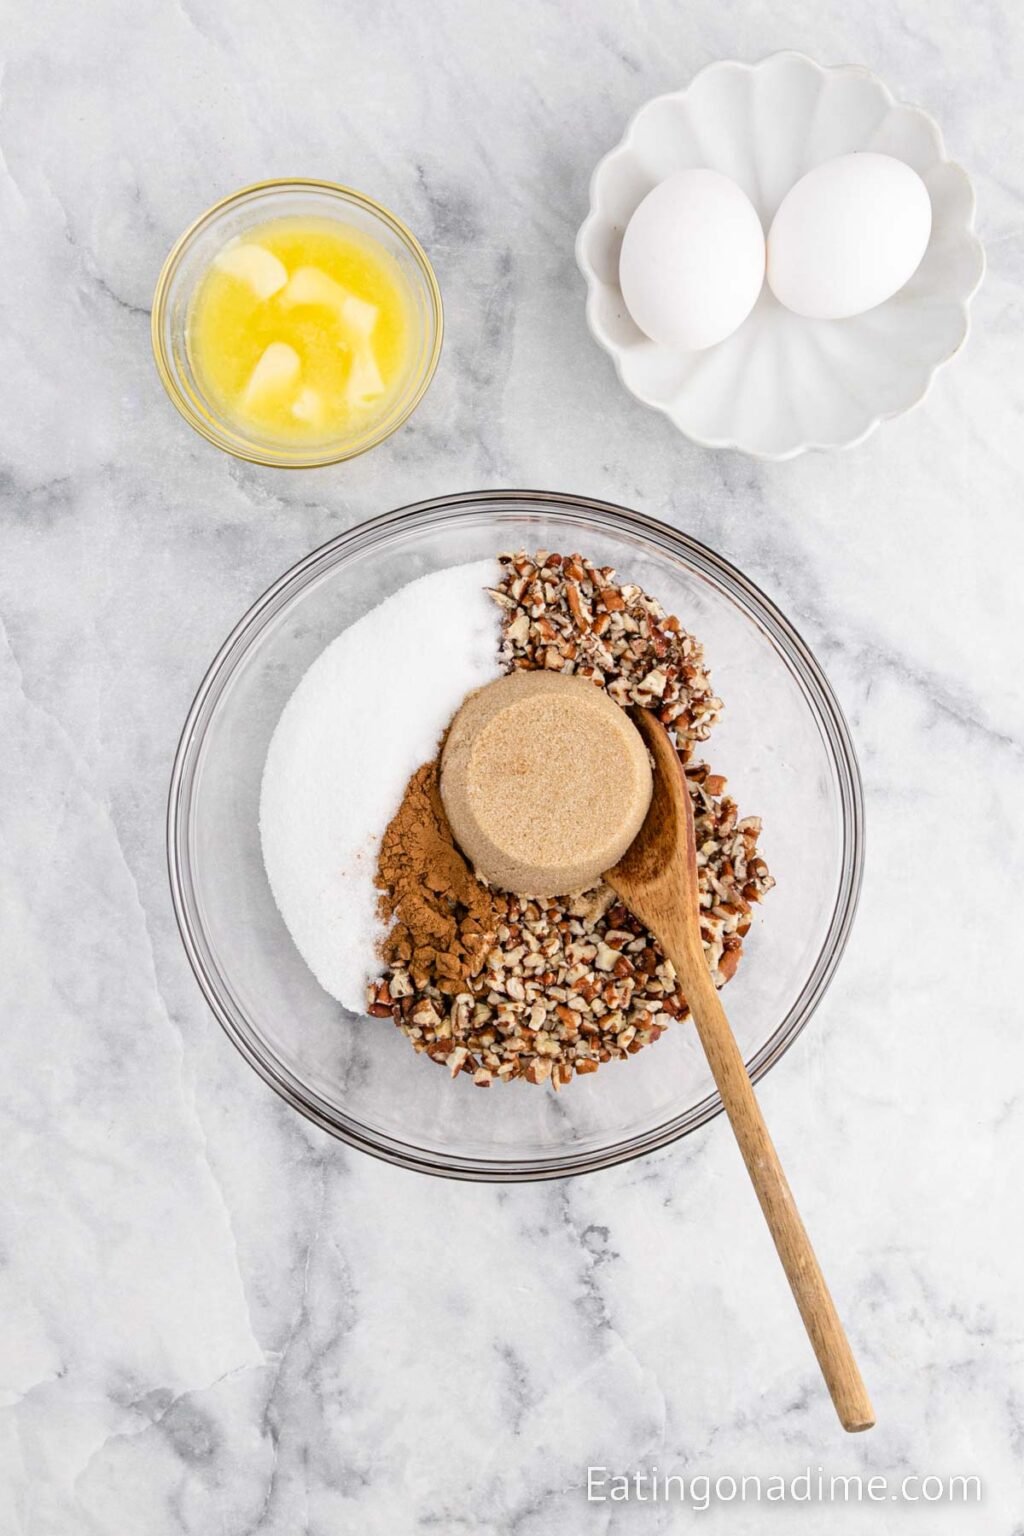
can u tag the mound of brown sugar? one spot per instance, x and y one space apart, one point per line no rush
442 919
546 782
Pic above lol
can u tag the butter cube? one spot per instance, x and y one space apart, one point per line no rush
255 265
277 370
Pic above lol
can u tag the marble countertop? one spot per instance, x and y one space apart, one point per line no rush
217 1320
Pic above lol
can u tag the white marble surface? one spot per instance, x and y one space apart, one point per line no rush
215 1320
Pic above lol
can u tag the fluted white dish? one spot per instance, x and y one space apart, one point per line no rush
783 383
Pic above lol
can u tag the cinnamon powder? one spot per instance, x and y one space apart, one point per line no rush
442 918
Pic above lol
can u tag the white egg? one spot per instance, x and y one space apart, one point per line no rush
692 261
848 236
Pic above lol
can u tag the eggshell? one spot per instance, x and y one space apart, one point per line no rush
692 261
848 236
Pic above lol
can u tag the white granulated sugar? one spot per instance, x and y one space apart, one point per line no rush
367 714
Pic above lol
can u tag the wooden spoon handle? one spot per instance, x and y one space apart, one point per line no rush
820 1318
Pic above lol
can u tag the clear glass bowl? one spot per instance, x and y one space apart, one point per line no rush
782 742
189 261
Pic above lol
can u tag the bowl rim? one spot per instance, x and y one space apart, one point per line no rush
611 517
168 373
592 281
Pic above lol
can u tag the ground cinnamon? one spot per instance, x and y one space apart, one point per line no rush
442 919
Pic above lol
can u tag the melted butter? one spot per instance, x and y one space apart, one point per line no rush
302 330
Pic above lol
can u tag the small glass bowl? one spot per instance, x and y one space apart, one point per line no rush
188 263
782 742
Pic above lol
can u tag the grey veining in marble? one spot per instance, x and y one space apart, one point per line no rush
216 1320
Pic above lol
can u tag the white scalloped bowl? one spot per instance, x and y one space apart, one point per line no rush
782 383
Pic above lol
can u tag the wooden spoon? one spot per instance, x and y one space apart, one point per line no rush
657 880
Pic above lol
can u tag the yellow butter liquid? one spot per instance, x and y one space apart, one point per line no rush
320 357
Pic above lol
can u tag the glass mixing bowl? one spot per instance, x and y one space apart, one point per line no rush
188 264
782 742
